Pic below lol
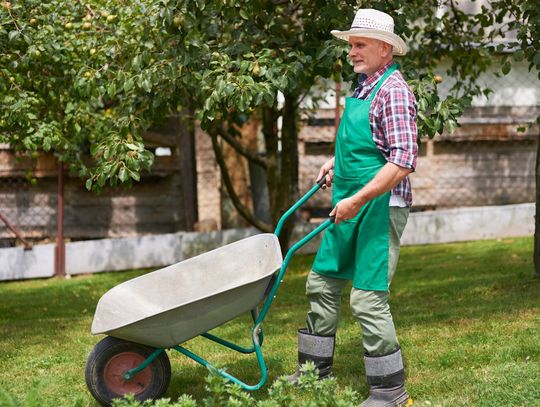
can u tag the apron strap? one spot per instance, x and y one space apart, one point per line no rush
383 78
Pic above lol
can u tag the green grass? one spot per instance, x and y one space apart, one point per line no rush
467 315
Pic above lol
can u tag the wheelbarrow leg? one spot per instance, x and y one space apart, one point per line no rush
208 365
255 316
238 348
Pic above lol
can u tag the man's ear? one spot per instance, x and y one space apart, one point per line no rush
386 49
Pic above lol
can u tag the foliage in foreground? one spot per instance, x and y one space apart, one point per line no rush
309 392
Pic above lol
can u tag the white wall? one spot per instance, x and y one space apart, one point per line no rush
95 256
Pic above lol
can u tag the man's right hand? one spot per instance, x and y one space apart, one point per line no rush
328 170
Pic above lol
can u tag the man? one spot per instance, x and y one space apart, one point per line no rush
375 151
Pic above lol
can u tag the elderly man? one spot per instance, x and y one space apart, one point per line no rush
375 151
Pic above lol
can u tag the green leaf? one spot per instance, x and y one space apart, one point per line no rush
13 35
135 175
122 174
136 62
269 98
146 85
128 85
89 184
451 126
536 60
111 89
506 68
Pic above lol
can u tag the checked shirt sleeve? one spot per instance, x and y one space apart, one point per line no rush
398 124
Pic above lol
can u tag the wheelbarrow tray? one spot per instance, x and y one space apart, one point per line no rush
179 302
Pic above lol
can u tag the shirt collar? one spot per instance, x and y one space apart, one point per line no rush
368 81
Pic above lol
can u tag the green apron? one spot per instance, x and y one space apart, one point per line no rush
357 249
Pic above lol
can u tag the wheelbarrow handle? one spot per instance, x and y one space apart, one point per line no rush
322 181
318 185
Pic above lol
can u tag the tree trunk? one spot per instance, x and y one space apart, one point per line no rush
282 170
270 132
281 164
188 165
536 254
288 191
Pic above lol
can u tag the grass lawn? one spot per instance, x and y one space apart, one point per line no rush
468 318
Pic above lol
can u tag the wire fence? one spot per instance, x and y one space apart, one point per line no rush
29 209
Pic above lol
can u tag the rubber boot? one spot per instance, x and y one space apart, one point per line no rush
317 349
386 380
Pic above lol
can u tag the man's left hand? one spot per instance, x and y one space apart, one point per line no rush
346 209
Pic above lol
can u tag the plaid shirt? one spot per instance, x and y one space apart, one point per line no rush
393 122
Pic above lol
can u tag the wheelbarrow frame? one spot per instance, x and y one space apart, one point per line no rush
257 336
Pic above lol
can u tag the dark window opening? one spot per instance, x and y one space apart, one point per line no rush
319 148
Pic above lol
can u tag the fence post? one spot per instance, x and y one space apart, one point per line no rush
60 249
536 252
337 109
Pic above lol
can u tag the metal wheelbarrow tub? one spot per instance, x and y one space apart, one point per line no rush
171 305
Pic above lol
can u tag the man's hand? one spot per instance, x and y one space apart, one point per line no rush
347 208
389 176
328 169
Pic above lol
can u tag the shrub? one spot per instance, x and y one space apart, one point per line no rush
310 392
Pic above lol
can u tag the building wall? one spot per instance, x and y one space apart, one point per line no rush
487 161
157 204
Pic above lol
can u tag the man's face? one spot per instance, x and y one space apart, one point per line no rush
368 55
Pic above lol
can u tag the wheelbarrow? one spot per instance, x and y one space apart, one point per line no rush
162 310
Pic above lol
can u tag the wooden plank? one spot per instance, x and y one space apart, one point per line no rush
188 171
12 164
491 132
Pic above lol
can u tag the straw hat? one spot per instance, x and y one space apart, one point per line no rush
370 23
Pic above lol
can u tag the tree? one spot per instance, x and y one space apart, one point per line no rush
85 78
250 51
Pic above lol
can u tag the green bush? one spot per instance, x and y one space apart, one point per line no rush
310 392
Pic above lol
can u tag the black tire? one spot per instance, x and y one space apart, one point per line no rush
106 363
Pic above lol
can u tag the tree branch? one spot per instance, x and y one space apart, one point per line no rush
242 210
240 149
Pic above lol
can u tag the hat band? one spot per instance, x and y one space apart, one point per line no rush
369 28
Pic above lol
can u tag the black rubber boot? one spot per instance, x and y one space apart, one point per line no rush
386 380
317 349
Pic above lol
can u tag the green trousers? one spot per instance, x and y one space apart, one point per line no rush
370 308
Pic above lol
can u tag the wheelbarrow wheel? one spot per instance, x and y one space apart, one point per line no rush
111 358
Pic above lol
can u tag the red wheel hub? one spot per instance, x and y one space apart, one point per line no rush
120 364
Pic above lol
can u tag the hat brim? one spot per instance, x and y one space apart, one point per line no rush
398 45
